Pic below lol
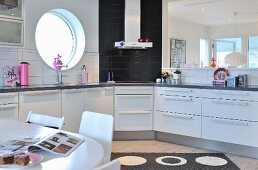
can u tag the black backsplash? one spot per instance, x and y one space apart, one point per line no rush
129 65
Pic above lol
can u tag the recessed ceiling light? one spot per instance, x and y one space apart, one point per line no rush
202 9
12 14
229 19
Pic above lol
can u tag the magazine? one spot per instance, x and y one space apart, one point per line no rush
59 143
11 75
19 144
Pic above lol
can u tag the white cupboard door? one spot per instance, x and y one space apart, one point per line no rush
232 109
47 102
99 99
9 106
134 102
133 120
231 131
181 124
9 111
72 108
108 101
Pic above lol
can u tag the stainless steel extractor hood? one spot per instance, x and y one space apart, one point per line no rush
8 4
132 27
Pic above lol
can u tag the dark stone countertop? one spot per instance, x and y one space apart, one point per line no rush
92 85
206 86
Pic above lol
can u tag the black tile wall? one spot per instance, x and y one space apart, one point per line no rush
129 65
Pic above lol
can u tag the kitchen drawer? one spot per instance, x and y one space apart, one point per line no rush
231 94
134 102
134 90
180 104
133 120
177 91
231 131
181 124
6 98
233 109
9 111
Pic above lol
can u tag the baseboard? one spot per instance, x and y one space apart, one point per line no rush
134 135
224 147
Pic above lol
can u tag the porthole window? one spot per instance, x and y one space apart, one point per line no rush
59 32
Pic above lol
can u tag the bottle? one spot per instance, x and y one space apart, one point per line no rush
213 64
84 78
24 73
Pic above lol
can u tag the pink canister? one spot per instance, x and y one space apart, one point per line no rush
24 73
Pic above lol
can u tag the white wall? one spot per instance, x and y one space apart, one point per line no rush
191 32
39 73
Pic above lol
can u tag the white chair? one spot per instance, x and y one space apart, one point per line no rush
44 120
113 165
99 127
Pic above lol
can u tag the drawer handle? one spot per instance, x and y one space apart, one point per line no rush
231 93
8 95
134 96
230 102
232 122
36 93
73 91
178 98
95 90
134 89
179 91
182 116
134 112
7 107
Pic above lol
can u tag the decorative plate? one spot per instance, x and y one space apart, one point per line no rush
35 158
220 74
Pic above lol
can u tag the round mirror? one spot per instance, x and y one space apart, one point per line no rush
60 38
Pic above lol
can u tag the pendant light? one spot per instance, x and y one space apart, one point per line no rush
235 59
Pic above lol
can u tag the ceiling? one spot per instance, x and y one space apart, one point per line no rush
214 12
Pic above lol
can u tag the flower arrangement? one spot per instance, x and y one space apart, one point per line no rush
165 74
57 64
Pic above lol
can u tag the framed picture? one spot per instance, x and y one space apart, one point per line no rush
177 52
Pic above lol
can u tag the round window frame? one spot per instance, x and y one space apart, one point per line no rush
77 33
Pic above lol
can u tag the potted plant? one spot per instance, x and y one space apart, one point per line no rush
177 76
164 76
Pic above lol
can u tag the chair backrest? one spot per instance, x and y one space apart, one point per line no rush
45 120
113 165
99 127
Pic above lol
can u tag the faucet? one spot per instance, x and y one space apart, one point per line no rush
60 75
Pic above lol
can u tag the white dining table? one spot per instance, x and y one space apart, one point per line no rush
86 157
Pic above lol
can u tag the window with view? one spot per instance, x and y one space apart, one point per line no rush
59 32
226 46
253 52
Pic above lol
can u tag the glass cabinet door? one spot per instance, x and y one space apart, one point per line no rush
11 33
9 12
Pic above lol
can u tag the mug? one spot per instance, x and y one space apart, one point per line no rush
158 80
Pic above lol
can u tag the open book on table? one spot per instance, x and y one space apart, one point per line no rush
60 143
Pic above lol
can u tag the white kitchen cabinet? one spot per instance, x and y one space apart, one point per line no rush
9 106
99 99
47 102
177 111
230 116
178 123
133 108
72 108
230 130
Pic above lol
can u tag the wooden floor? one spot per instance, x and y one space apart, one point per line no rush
156 146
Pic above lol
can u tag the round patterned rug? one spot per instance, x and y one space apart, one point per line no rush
174 161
